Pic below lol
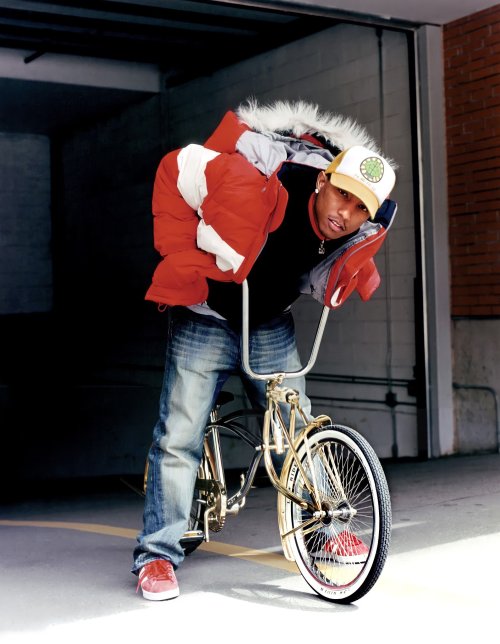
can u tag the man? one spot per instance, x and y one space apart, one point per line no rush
277 190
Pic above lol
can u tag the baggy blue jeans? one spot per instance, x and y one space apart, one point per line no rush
202 352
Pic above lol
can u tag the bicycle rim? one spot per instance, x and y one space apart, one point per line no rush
342 553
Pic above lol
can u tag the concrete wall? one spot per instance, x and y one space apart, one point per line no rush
476 377
99 351
75 331
25 224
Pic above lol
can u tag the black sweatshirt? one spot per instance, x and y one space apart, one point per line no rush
290 251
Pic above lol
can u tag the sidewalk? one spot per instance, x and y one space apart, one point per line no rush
65 569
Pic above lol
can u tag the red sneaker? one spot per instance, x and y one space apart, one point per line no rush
157 580
347 548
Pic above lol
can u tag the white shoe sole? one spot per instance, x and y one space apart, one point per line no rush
353 559
157 597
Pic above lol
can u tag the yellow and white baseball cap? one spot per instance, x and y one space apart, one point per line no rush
363 173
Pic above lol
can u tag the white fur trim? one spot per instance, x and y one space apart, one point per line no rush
301 117
191 182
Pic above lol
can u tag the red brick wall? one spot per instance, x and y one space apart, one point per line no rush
472 90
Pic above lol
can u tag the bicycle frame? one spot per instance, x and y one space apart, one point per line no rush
276 436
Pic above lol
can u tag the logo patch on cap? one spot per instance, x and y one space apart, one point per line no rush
372 169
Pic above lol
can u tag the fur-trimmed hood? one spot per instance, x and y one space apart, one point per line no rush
298 118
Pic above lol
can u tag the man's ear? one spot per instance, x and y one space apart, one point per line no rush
321 180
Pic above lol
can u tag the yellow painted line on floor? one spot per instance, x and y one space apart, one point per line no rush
96 528
257 556
216 547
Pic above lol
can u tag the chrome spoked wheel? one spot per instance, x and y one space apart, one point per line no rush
339 535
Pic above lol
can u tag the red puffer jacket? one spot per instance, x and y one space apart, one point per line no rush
213 211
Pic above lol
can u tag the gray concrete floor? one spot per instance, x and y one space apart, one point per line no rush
65 561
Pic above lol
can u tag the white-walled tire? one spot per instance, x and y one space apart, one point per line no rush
341 552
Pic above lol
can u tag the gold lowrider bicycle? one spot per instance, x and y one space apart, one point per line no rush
334 510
